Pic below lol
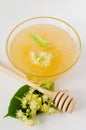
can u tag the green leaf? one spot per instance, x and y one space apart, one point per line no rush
15 103
39 40
48 86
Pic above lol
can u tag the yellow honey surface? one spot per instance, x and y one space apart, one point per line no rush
61 45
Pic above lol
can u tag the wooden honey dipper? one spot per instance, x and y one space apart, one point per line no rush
61 99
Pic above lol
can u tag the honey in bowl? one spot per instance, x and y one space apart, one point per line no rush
39 62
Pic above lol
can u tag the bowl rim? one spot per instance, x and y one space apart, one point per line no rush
40 17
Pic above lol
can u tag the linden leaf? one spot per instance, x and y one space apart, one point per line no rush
15 103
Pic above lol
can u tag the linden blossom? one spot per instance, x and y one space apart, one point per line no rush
31 104
42 59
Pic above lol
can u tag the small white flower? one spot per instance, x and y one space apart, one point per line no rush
20 115
43 58
33 104
52 110
45 108
24 102
45 98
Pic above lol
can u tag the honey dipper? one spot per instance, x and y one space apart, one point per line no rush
62 100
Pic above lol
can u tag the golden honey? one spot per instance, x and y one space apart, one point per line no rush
60 44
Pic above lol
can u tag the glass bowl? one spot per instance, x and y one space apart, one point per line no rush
45 20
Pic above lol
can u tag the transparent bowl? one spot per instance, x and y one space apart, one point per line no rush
47 20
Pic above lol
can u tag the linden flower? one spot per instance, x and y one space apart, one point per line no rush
33 104
27 112
20 115
45 98
34 96
30 91
39 103
24 102
45 108
28 97
33 113
43 58
51 110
